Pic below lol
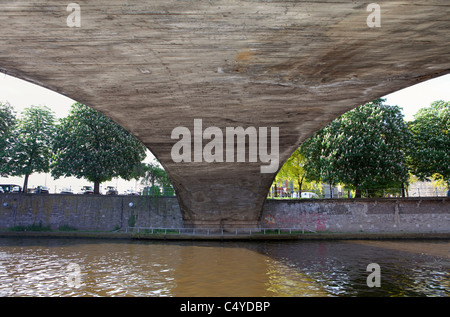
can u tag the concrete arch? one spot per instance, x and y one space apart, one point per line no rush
155 66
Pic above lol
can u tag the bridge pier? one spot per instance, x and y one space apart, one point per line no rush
210 198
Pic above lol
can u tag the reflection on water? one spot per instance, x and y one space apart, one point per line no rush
39 267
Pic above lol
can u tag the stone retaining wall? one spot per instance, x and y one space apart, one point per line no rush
362 215
107 213
88 212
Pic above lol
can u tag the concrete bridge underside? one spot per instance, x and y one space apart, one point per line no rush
156 65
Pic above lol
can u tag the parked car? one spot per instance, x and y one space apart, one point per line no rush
11 188
130 192
111 190
309 195
16 189
86 190
41 190
66 190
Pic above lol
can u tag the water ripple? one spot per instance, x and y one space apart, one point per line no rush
41 268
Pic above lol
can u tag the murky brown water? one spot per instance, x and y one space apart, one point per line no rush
78 267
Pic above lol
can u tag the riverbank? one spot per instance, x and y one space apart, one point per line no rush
108 213
420 247
226 236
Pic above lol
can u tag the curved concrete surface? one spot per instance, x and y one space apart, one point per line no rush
153 66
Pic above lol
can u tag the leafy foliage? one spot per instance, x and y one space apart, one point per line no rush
363 148
31 145
293 171
154 174
7 122
92 146
429 155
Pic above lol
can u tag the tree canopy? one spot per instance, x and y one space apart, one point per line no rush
31 143
363 148
153 177
429 154
7 123
90 145
293 171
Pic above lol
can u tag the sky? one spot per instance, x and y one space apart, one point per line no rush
413 98
21 94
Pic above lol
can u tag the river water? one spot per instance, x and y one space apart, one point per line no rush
84 267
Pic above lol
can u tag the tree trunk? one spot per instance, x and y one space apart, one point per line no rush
300 184
96 188
25 184
358 193
153 186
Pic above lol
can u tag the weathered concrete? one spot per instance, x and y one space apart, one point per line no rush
156 65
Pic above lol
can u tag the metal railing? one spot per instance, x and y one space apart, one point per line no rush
216 231
364 193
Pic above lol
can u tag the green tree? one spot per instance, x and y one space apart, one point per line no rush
293 171
429 155
155 176
32 143
92 146
7 123
318 154
363 148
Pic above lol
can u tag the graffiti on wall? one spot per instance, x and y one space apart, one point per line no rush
313 221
